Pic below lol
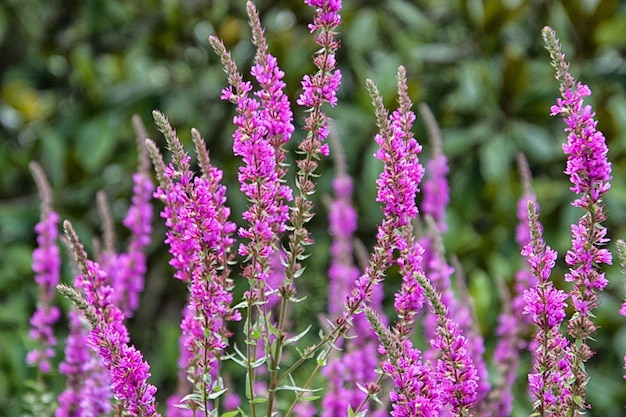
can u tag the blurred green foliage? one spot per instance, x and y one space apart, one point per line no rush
73 72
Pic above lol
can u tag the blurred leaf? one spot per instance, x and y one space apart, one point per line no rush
4 26
611 32
16 267
533 141
481 290
496 156
364 33
410 15
96 140
53 155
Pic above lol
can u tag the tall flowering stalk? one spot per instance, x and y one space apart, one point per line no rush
590 175
621 254
263 126
109 337
88 384
357 363
47 268
46 265
318 89
513 325
200 240
549 382
416 390
127 275
436 190
397 189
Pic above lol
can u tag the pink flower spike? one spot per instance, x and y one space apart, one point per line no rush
47 267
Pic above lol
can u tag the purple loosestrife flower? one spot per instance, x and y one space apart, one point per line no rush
512 323
456 373
590 175
322 86
436 190
416 392
47 267
275 111
200 238
88 391
399 165
259 176
459 311
109 338
397 187
342 219
318 89
549 381
356 366
131 267
358 362
455 370
410 299
621 254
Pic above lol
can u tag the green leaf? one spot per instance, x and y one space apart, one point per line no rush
495 158
215 394
351 412
322 356
297 337
297 389
95 143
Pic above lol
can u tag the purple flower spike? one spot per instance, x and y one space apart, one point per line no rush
359 360
549 381
47 268
512 323
320 87
590 174
88 386
109 337
131 265
402 172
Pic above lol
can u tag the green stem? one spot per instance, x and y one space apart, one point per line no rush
251 351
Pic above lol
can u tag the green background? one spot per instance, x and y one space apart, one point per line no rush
73 73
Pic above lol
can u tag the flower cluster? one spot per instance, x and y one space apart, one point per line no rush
130 267
357 363
359 353
513 325
200 240
108 336
590 174
47 268
545 304
402 172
